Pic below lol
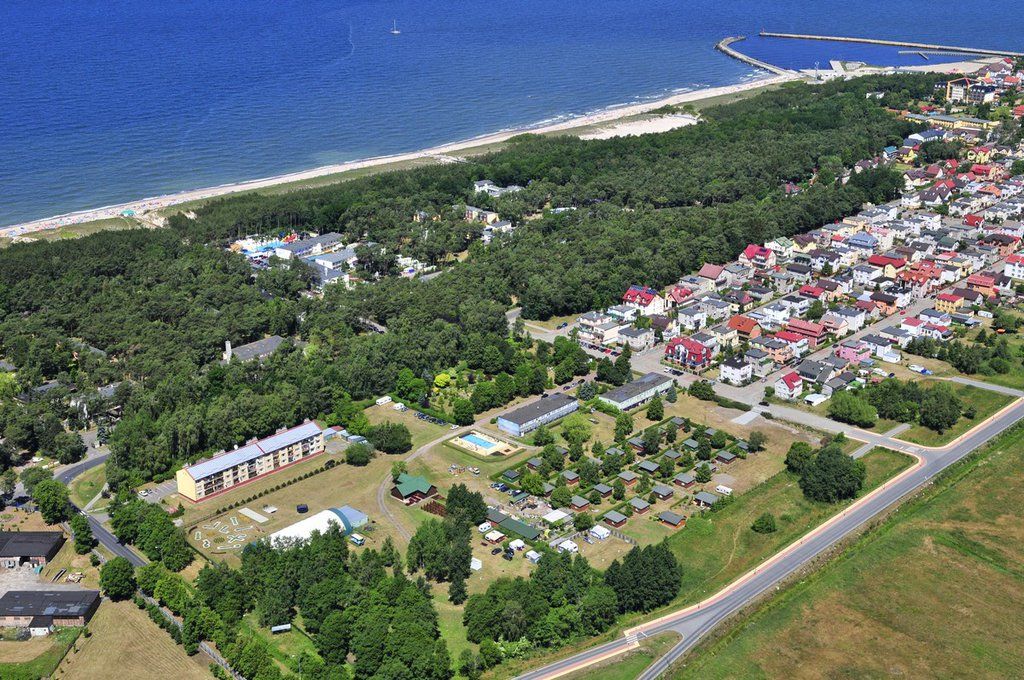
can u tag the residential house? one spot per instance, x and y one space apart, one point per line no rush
599 329
760 361
815 372
949 302
982 283
736 371
799 344
886 303
647 301
758 257
835 325
854 352
745 327
692 317
725 336
625 313
678 295
715 274
789 386
1015 267
688 352
668 326
814 332
638 339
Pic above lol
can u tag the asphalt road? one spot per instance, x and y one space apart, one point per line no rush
102 535
696 621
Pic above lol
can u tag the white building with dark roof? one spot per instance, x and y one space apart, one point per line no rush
540 412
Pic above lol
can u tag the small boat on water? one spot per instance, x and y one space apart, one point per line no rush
394 28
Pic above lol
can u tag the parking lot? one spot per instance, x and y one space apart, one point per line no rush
24 578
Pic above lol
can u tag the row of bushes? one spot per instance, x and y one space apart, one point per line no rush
425 410
159 618
237 504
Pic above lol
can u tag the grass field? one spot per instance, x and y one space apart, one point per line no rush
126 644
715 549
86 485
35 658
68 559
934 592
422 431
985 402
284 647
341 485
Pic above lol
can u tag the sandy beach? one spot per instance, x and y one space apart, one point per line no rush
443 153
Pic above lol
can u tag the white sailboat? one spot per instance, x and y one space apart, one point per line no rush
394 28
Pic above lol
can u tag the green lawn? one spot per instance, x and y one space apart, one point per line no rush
985 402
87 485
715 549
284 647
42 665
934 592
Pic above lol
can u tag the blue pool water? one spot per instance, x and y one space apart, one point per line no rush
104 101
478 441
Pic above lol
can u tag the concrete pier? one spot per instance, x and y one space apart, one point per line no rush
724 46
895 43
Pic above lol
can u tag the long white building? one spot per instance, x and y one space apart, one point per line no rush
229 469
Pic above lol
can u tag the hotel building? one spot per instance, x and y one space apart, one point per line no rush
229 469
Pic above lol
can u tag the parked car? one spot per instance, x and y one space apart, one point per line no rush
496 551
562 325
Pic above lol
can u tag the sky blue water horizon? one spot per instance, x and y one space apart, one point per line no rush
106 101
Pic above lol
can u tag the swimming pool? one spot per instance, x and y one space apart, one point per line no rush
478 441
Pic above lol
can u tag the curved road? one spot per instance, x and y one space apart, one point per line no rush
695 621
100 532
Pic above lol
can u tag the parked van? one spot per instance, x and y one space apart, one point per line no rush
357 539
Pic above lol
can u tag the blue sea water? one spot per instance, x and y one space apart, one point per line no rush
103 101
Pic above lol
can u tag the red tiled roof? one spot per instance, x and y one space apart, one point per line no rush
884 260
742 324
789 336
801 326
640 295
950 297
711 271
792 380
974 220
679 293
812 291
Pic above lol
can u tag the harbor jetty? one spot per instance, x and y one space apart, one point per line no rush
724 46
894 43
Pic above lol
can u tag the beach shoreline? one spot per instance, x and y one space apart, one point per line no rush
153 205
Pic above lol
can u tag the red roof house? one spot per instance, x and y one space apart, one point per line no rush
745 327
814 332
